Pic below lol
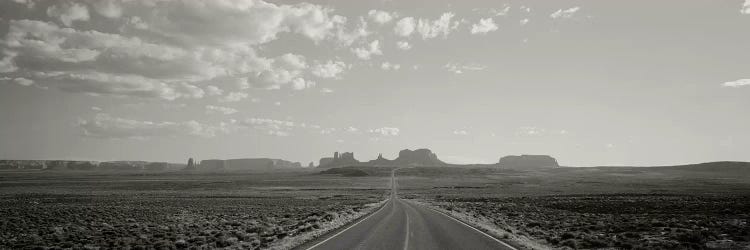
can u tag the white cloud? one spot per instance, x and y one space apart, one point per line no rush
98 83
29 3
108 8
390 66
380 17
440 27
745 8
460 132
233 97
568 13
165 43
461 68
212 90
271 126
403 45
329 69
737 83
347 38
211 109
68 12
326 90
524 21
300 84
23 81
7 64
405 26
485 25
385 131
531 131
501 12
367 52
107 126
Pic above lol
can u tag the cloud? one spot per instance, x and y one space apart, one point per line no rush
385 131
531 131
347 38
300 84
737 83
23 81
271 126
68 12
165 43
501 12
568 13
461 68
485 25
440 27
367 52
212 90
745 8
403 45
98 83
29 3
389 66
380 17
524 21
329 69
460 132
107 126
233 97
405 26
211 109
108 8
326 90
7 65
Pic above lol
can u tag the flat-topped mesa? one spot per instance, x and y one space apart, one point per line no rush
527 162
252 164
339 160
419 157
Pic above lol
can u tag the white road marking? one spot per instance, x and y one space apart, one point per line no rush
406 241
469 226
340 232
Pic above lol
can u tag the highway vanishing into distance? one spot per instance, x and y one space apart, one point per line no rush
401 224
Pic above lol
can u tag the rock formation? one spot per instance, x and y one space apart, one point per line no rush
339 160
380 161
249 164
325 161
190 164
419 157
527 162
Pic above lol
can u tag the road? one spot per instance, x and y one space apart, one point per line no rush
401 224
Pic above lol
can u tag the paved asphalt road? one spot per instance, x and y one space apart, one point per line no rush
401 224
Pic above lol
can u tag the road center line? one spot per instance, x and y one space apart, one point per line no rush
469 226
406 241
342 231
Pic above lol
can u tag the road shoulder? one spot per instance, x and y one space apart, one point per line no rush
484 226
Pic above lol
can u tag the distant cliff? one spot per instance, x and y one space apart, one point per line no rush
250 164
527 162
339 160
419 157
66 165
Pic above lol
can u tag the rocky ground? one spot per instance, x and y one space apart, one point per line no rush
138 222
622 221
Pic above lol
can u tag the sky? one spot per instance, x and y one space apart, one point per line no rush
588 82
